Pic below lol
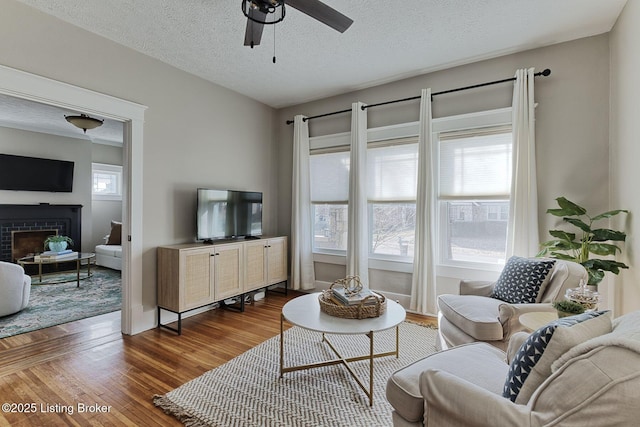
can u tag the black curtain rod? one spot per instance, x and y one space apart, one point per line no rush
544 72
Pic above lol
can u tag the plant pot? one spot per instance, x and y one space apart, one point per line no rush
562 314
57 246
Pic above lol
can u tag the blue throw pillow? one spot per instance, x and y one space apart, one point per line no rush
532 349
521 280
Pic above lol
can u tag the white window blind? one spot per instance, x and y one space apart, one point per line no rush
329 177
475 166
392 173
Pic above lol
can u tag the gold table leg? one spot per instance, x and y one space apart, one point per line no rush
342 360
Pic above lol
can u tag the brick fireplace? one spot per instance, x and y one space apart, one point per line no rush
41 219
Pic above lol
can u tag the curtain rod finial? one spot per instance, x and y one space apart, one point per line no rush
546 72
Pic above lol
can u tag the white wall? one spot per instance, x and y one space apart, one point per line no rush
195 132
625 147
571 128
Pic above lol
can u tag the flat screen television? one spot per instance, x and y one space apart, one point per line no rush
228 214
35 174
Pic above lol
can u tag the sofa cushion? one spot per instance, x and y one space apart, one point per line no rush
531 352
109 250
477 316
115 236
478 363
522 280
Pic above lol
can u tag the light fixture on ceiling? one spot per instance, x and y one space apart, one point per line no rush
84 122
265 12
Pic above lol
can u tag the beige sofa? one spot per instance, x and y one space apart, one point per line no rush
474 316
588 375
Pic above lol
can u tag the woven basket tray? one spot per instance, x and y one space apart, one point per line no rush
363 310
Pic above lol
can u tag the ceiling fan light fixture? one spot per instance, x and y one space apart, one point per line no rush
84 122
264 12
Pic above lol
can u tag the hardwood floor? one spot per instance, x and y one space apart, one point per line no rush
88 373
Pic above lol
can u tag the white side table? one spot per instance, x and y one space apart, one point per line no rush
304 311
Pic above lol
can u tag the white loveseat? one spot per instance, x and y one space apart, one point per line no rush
110 254
588 375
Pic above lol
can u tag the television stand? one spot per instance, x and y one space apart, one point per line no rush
194 275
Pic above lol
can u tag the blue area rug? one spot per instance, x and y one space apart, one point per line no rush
51 305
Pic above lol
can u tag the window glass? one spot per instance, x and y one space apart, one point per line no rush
329 197
106 182
473 196
330 227
392 174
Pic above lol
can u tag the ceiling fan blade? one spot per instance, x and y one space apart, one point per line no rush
253 33
323 13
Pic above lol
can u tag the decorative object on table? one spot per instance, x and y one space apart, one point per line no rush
568 308
584 296
347 298
592 240
57 243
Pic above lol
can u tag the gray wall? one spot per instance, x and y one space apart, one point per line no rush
571 123
105 211
195 133
34 144
625 149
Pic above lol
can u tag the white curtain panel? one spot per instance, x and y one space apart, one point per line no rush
358 228
522 231
302 272
423 286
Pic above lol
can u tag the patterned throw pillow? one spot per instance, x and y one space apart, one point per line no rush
532 350
522 279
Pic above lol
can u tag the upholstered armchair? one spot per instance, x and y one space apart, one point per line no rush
15 288
525 285
586 372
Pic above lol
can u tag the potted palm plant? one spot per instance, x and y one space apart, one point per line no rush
587 240
57 243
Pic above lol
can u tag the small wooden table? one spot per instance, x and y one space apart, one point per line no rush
537 319
83 257
304 311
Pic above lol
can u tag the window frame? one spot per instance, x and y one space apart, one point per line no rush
109 169
492 119
488 118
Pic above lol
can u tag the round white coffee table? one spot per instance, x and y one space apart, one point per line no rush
304 311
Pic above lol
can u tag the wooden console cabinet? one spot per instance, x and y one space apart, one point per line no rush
194 275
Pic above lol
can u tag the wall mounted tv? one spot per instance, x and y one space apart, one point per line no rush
35 174
228 214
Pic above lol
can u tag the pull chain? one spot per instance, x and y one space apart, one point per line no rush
274 44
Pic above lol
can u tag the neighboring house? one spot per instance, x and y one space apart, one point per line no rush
199 134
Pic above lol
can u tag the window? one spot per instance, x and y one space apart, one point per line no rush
473 197
106 181
392 173
329 172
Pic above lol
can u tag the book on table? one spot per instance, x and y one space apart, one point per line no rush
340 296
53 256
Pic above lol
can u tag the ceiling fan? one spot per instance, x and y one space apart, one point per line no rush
265 12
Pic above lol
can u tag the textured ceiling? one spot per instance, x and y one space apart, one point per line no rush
388 40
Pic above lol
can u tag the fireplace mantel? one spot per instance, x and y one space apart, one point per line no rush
44 216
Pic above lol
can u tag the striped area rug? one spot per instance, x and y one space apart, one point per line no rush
248 390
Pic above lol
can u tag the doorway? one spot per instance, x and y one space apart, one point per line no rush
50 92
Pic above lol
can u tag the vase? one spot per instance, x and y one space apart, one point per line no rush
57 246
